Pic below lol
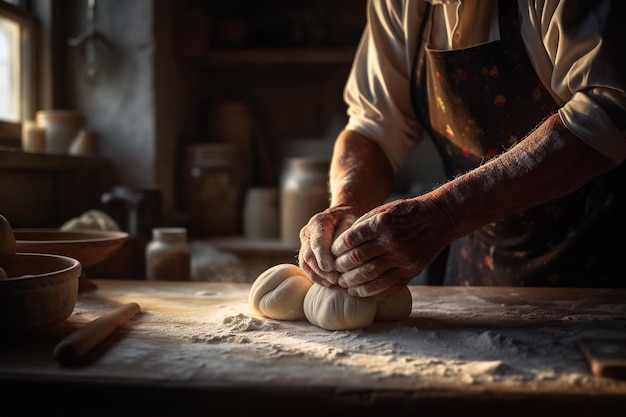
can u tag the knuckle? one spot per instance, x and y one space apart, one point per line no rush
368 272
355 257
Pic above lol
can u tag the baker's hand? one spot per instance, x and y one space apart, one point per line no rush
387 247
316 238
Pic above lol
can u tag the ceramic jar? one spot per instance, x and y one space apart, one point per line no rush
261 213
33 137
61 128
213 184
304 192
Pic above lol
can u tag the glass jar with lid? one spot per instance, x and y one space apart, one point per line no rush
168 257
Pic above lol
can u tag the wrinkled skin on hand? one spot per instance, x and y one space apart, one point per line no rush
316 238
387 247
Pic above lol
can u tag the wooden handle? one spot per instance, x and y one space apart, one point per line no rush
69 350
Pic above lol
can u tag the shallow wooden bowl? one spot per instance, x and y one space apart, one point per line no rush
89 247
38 295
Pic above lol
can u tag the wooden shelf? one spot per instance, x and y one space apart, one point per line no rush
278 56
19 160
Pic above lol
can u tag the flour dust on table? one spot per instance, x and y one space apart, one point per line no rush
456 339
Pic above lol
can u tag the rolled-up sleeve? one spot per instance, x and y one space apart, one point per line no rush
378 90
576 47
583 43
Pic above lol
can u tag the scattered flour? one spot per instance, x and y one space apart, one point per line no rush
397 354
441 345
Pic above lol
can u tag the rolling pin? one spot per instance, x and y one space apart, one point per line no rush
71 349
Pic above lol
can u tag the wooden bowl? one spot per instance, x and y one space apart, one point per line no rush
38 295
89 247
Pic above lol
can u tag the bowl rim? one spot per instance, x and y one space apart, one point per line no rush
74 263
89 235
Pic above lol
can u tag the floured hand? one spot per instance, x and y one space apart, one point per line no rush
387 247
316 238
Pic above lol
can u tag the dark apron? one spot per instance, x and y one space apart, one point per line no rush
477 102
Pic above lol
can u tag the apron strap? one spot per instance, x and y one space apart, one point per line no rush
508 17
418 69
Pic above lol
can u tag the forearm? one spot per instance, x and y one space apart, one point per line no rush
549 163
361 177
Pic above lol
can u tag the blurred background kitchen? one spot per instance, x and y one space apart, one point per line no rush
178 113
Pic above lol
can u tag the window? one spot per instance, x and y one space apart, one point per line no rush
17 74
9 71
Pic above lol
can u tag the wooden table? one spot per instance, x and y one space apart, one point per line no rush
197 349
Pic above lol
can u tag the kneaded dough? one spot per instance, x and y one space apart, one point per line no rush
91 220
279 292
334 309
396 307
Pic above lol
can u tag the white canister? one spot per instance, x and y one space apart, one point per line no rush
61 128
304 192
261 213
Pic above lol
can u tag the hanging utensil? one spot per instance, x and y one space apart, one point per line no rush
94 44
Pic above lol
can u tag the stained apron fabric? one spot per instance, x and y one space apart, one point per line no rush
476 103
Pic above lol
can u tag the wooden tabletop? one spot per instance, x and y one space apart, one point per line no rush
197 349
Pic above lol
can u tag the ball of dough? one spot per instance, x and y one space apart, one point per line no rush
279 292
334 309
91 220
396 307
8 245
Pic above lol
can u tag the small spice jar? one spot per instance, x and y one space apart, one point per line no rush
168 255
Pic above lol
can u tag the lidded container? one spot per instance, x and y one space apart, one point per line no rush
61 127
213 184
304 192
168 256
261 213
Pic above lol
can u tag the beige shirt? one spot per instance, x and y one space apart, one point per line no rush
583 68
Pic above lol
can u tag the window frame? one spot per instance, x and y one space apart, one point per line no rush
11 132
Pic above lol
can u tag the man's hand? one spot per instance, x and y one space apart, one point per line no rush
316 238
388 246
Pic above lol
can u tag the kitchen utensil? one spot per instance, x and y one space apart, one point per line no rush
89 247
136 209
39 294
75 346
